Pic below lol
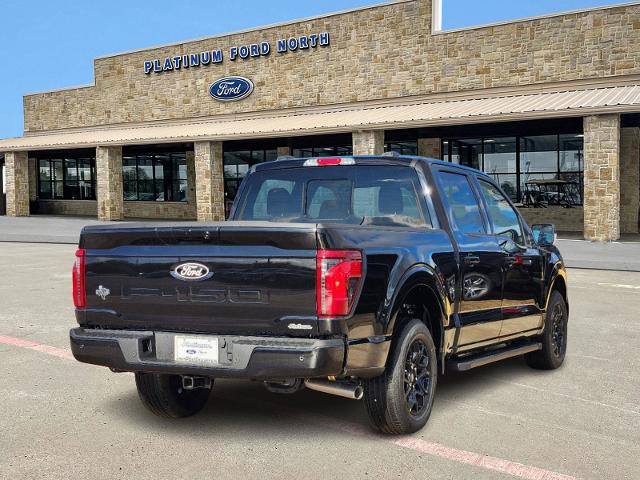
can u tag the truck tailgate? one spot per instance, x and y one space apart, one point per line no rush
261 278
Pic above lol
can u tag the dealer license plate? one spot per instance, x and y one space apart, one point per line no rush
196 350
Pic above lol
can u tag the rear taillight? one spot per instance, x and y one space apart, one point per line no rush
338 277
79 291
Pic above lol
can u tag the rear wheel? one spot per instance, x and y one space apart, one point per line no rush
400 400
165 396
554 338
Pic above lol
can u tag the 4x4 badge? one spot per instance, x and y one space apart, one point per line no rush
103 292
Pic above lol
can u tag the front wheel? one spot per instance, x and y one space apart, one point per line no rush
165 396
400 400
554 338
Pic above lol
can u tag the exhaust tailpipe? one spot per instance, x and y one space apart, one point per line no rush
353 391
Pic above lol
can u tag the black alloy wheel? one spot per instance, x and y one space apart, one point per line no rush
558 330
417 378
554 337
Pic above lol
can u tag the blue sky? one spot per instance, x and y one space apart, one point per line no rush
49 44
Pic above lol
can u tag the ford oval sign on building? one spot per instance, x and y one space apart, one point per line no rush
231 89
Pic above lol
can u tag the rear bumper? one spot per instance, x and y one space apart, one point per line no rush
239 357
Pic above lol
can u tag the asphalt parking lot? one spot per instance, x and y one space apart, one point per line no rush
62 419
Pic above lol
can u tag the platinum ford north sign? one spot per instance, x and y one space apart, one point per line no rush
243 52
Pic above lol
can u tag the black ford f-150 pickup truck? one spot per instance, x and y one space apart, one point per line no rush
358 276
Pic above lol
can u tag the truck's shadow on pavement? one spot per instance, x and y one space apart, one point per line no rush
247 408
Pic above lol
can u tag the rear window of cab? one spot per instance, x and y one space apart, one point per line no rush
360 195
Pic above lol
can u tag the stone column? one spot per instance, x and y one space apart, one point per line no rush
209 182
430 147
283 151
33 179
191 182
109 183
629 179
602 177
368 142
17 171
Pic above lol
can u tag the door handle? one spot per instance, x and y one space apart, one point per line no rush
471 260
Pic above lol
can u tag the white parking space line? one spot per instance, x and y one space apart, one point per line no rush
408 442
619 285
572 397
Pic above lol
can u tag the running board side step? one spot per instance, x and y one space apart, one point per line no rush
467 363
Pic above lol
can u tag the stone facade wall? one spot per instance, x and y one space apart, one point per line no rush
565 219
160 210
602 177
82 208
430 147
375 53
17 176
109 183
629 179
283 151
151 210
368 142
209 181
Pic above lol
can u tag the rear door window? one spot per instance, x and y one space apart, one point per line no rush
462 202
502 215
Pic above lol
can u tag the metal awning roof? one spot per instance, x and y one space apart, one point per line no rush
576 102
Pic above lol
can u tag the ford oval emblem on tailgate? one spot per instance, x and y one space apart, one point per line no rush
229 89
191 272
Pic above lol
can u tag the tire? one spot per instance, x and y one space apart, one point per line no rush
554 338
164 396
389 399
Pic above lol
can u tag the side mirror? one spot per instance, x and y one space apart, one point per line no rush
544 234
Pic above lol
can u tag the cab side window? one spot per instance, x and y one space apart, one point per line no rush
463 203
502 216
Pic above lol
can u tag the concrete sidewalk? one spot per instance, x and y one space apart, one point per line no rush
623 256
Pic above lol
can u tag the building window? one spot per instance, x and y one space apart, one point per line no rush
237 165
403 148
535 170
571 164
467 152
336 151
66 178
500 161
160 177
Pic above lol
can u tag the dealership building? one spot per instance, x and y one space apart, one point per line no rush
549 106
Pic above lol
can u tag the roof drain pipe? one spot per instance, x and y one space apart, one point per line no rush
351 390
